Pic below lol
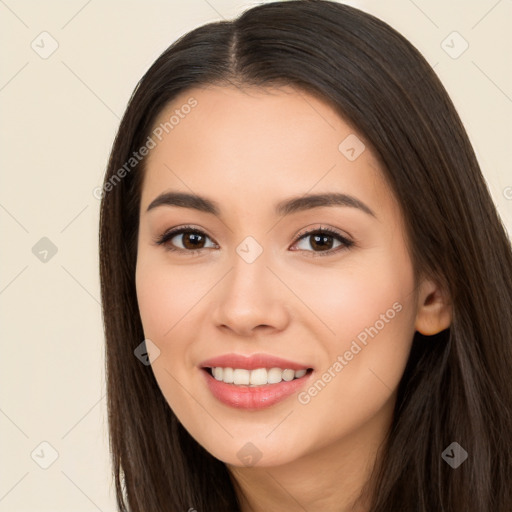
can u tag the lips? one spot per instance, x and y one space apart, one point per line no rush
250 396
252 362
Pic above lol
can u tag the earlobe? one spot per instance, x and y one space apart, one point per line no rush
434 309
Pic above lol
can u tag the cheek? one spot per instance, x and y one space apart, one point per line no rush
365 313
348 300
153 300
165 294
166 298
371 309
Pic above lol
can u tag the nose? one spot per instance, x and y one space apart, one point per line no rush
251 299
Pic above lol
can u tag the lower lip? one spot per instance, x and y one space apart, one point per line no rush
255 397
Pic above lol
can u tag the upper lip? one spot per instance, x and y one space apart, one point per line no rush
252 362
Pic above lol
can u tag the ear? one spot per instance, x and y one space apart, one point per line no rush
434 312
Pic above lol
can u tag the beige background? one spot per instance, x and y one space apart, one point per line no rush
59 117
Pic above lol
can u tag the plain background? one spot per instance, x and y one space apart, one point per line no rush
59 118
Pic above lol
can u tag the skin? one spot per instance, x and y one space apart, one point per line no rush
248 150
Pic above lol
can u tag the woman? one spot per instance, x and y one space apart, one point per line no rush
245 372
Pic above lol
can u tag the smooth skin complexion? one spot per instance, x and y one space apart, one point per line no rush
248 151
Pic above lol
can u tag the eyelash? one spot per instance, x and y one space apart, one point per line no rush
168 235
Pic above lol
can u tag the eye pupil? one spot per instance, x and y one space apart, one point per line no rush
321 245
194 239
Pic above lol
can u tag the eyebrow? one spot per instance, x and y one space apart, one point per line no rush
283 208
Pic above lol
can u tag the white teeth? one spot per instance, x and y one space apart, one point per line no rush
241 377
227 375
288 375
257 377
275 376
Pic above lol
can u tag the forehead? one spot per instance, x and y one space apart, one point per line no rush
245 146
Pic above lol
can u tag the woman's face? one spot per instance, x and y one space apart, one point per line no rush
263 283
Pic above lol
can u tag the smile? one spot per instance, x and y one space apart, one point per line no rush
257 377
255 382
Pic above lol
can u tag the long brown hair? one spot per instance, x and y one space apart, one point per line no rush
457 386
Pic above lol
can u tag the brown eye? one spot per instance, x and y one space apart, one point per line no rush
322 241
184 239
192 240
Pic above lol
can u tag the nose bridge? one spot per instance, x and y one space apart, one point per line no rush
249 278
250 293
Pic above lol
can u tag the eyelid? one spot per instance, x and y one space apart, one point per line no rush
325 229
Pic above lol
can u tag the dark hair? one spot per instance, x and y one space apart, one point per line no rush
457 385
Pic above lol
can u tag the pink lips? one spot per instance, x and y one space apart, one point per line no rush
252 362
256 397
